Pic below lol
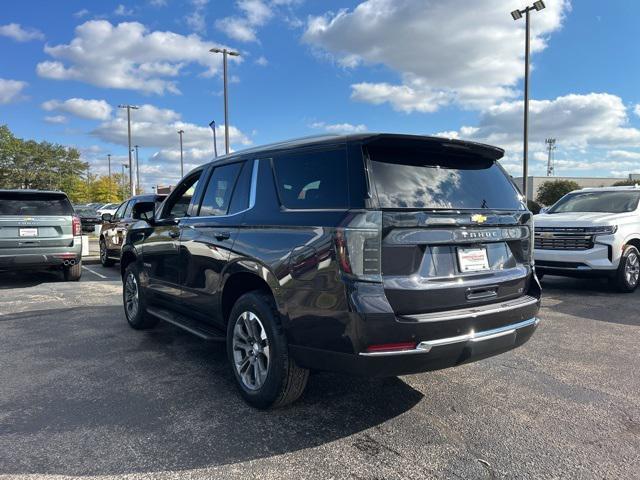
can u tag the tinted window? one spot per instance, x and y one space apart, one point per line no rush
313 179
127 212
606 202
218 194
178 204
413 178
34 204
240 197
120 211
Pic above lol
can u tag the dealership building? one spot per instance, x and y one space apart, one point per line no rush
533 183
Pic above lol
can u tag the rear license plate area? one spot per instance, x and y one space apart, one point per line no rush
472 259
28 232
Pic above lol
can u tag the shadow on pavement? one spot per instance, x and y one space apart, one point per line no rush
84 394
584 297
29 278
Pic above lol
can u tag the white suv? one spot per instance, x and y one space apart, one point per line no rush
593 231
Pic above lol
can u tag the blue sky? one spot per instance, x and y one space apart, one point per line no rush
448 67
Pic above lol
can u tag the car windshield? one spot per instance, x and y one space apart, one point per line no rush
413 178
604 202
34 203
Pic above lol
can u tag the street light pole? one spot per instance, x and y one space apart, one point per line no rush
215 143
130 167
225 53
180 132
137 170
516 15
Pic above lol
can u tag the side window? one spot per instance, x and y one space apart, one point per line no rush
218 194
129 209
178 203
120 212
240 197
308 180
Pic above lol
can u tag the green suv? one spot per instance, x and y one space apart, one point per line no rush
39 230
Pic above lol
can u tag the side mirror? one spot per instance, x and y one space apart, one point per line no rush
143 211
544 209
106 217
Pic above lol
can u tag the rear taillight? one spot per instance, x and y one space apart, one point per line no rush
358 246
77 227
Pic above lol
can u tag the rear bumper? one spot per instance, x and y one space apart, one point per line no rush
49 257
428 355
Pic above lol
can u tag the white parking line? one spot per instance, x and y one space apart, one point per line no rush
94 272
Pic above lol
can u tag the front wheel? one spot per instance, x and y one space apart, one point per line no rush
626 278
134 301
259 355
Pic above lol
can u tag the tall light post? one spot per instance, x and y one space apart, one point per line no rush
516 15
110 185
124 188
130 167
551 146
137 170
225 53
215 143
180 132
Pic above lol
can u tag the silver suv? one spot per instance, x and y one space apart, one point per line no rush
39 230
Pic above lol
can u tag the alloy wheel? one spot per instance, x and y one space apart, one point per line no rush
250 350
632 269
131 299
103 252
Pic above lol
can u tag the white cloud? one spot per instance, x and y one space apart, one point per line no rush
19 34
624 155
262 61
158 3
445 51
577 121
197 19
81 13
55 119
10 90
243 27
636 109
340 128
123 11
128 56
80 107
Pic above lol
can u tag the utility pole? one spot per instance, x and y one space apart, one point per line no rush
225 53
516 15
180 132
551 146
130 167
215 143
110 182
137 170
124 185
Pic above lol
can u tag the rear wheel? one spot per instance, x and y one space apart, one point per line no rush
259 355
626 279
104 254
72 273
135 306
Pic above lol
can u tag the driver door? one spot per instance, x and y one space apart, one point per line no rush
160 250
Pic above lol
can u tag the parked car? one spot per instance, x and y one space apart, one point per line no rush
88 217
592 232
39 230
107 208
371 254
114 226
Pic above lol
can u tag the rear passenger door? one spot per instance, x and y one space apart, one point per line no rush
207 239
110 229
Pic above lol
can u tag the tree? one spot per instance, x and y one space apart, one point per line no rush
626 183
550 192
102 190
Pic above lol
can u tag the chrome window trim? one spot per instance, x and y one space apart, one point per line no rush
427 345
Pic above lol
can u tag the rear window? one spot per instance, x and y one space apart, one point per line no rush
313 180
24 204
412 178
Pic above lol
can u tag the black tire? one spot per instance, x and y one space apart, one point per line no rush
104 259
72 273
626 278
137 318
284 380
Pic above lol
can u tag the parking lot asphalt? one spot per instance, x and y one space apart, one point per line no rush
83 394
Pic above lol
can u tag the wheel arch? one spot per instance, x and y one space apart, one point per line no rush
127 257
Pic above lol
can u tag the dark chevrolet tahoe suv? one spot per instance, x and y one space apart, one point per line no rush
371 254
